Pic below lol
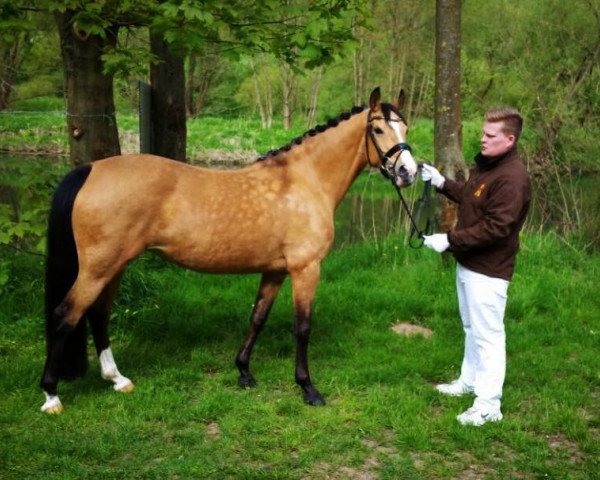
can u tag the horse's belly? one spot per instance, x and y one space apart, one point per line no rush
224 257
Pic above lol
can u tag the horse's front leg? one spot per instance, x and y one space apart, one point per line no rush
304 285
270 284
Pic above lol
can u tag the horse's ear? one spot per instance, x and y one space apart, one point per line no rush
375 99
399 102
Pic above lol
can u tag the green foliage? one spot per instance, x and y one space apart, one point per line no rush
28 186
547 70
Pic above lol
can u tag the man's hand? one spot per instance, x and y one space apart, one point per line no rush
438 241
431 173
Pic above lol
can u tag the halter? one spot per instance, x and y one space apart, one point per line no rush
423 204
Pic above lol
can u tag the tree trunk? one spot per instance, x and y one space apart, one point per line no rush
168 101
189 87
357 64
409 109
314 98
269 102
288 90
209 69
447 118
393 68
91 120
259 101
11 56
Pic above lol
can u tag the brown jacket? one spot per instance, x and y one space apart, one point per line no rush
493 204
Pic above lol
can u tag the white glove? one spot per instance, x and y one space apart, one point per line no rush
438 241
431 173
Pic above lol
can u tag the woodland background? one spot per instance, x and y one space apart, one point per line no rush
539 56
293 64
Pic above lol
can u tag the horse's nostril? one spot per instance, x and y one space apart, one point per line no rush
406 177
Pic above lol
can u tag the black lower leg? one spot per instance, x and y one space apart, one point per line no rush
302 332
56 345
99 326
257 321
99 314
269 287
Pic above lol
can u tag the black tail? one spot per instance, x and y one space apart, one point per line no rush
62 267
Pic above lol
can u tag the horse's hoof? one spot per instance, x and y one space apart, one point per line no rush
54 410
247 382
314 399
126 388
52 406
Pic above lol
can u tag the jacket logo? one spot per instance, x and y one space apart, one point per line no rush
479 190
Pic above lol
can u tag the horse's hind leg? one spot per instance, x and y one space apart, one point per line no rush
98 315
68 315
269 287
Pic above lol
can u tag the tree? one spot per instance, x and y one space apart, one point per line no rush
308 33
447 118
261 81
204 69
91 119
13 47
167 79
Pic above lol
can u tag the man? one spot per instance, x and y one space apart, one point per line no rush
493 204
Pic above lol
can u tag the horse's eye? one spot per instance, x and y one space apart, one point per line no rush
378 131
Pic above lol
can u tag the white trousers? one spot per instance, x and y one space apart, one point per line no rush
482 302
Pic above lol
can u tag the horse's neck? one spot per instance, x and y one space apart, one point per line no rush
335 157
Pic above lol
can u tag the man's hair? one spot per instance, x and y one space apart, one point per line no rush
511 118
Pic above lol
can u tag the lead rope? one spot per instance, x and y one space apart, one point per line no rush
425 200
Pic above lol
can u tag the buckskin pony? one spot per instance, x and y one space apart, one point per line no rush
273 217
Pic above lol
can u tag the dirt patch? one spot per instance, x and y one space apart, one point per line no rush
213 430
367 471
561 444
410 330
330 472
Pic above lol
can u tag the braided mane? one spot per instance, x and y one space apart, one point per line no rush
334 122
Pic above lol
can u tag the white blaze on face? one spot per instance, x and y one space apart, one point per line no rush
405 156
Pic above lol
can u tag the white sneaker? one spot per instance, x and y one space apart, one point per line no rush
476 417
454 389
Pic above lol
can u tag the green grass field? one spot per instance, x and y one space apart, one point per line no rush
175 334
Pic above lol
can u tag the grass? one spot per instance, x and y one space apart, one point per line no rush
175 333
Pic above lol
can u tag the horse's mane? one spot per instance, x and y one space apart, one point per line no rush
334 122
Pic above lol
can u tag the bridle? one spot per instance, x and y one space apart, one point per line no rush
385 158
392 176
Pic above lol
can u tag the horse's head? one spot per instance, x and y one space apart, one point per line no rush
386 140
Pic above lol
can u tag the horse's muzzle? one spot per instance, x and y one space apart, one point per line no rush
404 178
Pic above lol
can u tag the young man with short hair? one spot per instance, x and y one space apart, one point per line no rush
492 206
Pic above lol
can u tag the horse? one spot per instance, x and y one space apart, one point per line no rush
274 217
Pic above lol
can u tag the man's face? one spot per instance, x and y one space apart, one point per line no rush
494 141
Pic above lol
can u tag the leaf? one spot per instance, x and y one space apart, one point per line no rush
5 238
299 39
